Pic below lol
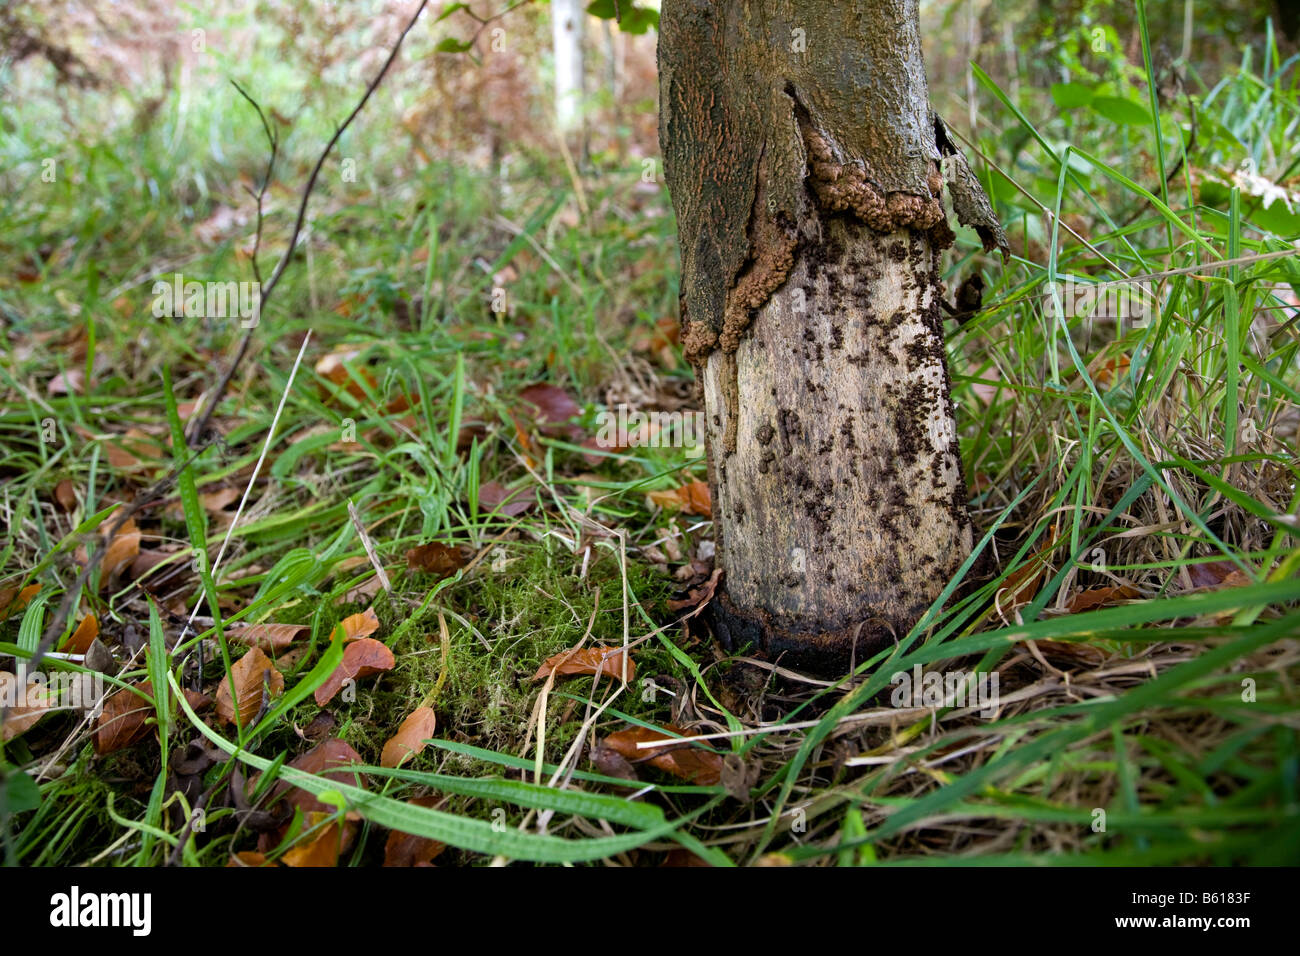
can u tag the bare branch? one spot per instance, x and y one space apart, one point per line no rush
267 288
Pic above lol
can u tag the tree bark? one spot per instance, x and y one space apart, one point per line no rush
806 168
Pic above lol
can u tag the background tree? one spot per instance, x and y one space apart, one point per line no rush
567 22
806 167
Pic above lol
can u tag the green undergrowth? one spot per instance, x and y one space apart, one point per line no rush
1158 460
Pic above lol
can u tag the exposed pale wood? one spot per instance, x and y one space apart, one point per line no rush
805 166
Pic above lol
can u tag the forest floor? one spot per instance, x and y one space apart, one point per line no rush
399 514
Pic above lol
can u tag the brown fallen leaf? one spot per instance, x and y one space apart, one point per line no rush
360 659
220 499
80 640
1106 370
142 568
436 558
246 674
130 451
407 849
693 498
410 737
123 720
65 495
1212 575
598 450
611 763
324 846
587 660
36 698
249 858
334 367
1101 597
328 759
69 382
553 404
365 591
13 600
469 433
122 551
1023 583
685 761
269 637
495 497
357 626
661 342
698 598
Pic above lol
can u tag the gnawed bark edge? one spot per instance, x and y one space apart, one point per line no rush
732 266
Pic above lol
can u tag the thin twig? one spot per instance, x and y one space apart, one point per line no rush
210 407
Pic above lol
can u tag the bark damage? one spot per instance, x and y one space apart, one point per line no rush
758 100
800 151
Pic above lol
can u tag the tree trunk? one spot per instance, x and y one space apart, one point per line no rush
806 168
567 21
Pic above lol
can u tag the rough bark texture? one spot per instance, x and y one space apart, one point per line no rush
806 168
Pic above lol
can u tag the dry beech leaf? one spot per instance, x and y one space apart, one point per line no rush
328 759
37 702
587 660
495 497
693 498
357 626
410 737
65 495
611 763
468 433
552 403
150 558
698 598
1106 370
1213 575
269 637
365 591
122 551
323 847
123 720
1100 597
219 500
360 659
598 450
13 600
246 675
129 451
406 849
552 411
1023 583
688 762
83 636
661 342
436 558
334 367
70 382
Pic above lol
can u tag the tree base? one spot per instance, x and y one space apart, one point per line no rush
826 653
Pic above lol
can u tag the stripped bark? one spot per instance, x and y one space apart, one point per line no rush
807 168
